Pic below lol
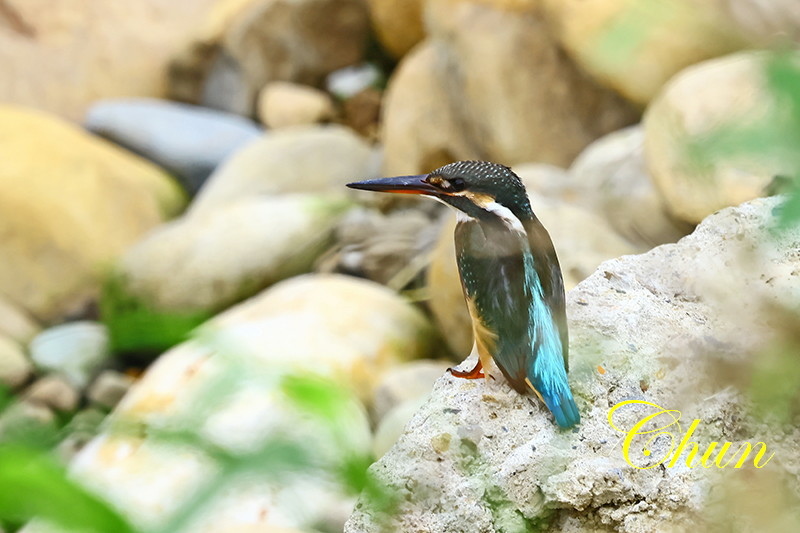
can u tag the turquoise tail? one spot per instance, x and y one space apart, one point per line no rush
563 407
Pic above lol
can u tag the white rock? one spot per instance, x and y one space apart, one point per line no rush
75 350
671 327
349 81
228 386
15 368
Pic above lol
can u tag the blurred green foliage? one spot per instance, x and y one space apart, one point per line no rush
135 328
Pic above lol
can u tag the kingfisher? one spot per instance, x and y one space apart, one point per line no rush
509 274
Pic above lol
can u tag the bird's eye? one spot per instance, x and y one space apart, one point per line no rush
453 185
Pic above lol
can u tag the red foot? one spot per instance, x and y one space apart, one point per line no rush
475 373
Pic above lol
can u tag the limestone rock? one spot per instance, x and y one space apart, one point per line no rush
398 24
282 104
306 159
188 141
508 92
15 323
64 57
15 368
722 98
245 44
664 39
207 261
668 327
75 350
582 240
71 204
228 386
54 392
612 180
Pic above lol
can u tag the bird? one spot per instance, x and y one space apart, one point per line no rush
510 277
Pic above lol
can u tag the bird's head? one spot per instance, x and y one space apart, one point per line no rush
479 189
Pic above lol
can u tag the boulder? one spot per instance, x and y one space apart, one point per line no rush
71 204
202 263
312 159
582 240
193 263
612 179
669 327
63 58
635 47
245 44
282 104
398 24
513 97
188 141
713 136
256 413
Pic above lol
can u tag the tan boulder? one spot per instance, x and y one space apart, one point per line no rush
71 205
504 88
582 240
397 23
420 130
62 56
636 46
282 104
246 44
696 136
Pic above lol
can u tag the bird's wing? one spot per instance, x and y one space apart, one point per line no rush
493 278
547 267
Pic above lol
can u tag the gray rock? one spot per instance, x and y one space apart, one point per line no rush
15 368
76 350
55 392
109 388
672 327
187 140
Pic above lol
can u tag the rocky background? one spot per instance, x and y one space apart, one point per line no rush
202 330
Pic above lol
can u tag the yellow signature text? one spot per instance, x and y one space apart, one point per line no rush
658 422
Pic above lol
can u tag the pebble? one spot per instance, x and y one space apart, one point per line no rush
75 350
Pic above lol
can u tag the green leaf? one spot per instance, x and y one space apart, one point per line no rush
32 484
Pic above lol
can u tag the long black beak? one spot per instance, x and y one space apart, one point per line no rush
400 184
